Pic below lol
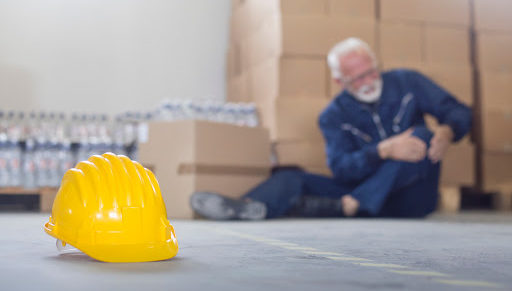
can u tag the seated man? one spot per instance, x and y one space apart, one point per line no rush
384 161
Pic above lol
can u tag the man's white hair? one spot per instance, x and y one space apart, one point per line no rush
343 48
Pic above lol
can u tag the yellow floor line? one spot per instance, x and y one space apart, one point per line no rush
269 241
347 259
468 283
381 265
321 253
299 248
284 245
419 273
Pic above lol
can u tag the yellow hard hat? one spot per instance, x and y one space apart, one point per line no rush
111 208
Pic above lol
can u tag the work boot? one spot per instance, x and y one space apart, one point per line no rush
316 206
217 207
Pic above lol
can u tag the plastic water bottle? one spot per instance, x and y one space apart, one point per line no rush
3 124
41 164
83 151
103 129
32 126
52 158
230 114
14 163
129 129
66 158
252 115
4 170
74 128
61 131
28 165
119 149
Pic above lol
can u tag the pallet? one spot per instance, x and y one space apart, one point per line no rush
449 199
46 195
502 199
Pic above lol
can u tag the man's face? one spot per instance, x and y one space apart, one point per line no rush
360 76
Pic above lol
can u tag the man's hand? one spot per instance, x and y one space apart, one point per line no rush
403 147
440 142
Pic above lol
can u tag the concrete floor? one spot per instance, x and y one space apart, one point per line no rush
463 252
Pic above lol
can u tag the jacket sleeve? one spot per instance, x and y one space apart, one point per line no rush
347 163
441 104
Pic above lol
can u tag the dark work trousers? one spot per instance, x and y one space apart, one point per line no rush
396 189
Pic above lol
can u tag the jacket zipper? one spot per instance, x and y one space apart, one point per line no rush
396 121
378 123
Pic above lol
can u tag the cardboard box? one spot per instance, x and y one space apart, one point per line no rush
250 15
453 12
303 36
497 131
400 42
446 45
236 3
393 64
293 119
238 88
449 199
493 15
493 51
302 7
497 170
458 80
287 77
458 165
496 91
234 59
334 88
239 23
259 12
230 63
352 8
301 153
190 156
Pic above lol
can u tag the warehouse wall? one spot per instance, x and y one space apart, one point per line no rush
110 55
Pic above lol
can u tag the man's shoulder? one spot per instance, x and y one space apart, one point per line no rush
332 110
401 74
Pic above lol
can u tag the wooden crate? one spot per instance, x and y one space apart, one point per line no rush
46 195
449 199
502 200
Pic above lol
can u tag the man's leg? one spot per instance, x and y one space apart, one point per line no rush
283 192
416 200
300 194
393 176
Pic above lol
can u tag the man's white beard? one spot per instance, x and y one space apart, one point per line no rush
369 93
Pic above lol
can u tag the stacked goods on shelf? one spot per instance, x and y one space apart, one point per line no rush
493 34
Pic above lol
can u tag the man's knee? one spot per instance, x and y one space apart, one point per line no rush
423 133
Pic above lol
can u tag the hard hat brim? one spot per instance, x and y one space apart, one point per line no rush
124 253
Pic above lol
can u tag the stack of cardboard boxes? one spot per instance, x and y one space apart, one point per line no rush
493 33
277 59
433 37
